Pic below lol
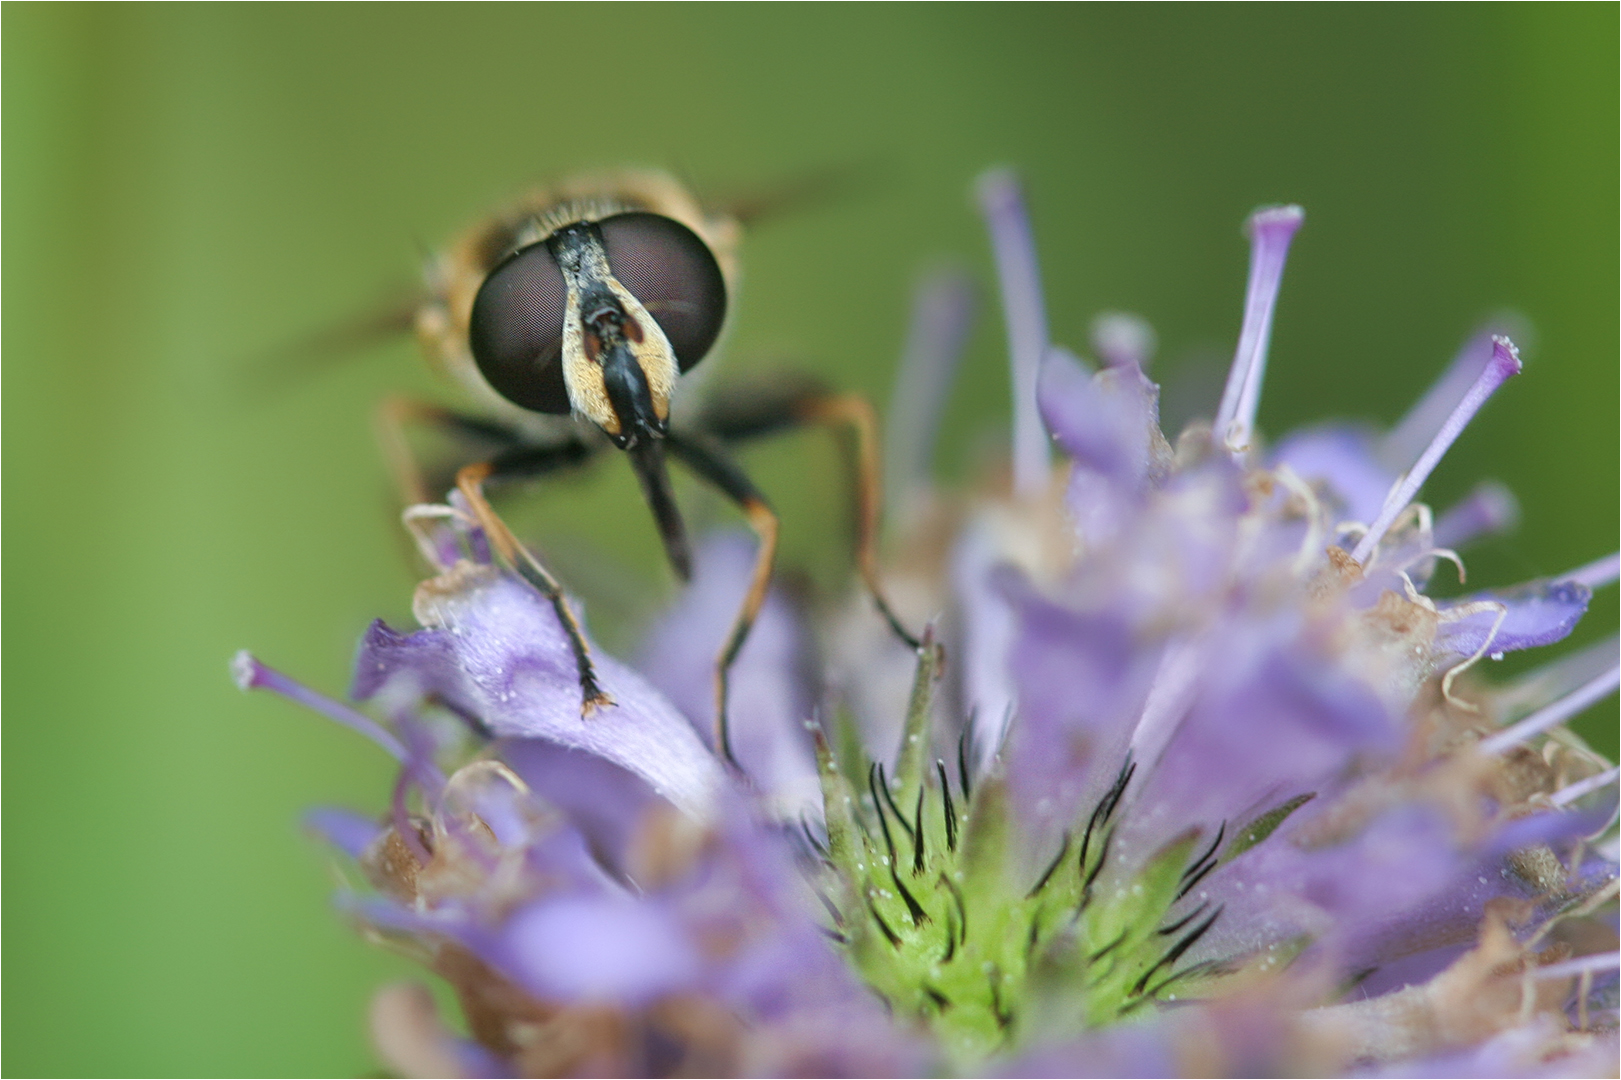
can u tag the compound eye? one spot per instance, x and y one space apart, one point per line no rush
516 330
673 273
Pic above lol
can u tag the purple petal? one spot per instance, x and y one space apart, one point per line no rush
943 310
1082 681
1537 613
1271 720
1001 199
1490 508
605 802
772 682
578 948
985 628
1103 422
1360 898
350 832
1340 460
494 650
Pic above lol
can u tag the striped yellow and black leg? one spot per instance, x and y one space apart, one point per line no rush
710 464
470 481
755 411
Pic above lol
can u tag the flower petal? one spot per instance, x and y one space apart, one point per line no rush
493 649
1534 614
771 691
1104 422
348 831
1340 461
578 948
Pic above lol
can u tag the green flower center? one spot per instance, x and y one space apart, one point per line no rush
922 898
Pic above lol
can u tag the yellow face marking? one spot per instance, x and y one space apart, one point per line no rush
649 348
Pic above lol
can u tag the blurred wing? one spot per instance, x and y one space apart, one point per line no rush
280 368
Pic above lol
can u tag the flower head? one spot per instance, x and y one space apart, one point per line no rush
1191 775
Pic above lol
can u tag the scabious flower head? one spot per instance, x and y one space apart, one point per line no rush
1191 774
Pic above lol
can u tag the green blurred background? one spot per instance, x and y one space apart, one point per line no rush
186 188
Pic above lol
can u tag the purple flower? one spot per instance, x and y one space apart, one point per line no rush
1202 780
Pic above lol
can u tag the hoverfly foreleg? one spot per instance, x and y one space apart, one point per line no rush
470 481
794 402
712 466
395 413
511 453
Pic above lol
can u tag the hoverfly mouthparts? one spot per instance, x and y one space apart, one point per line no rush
598 318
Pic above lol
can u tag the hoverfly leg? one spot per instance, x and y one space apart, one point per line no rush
395 413
709 464
470 481
855 413
793 401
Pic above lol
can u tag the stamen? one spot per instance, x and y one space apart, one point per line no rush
400 815
1123 340
1505 362
1001 200
250 674
1605 961
1567 795
1456 613
1415 430
1490 508
942 316
1270 231
1543 719
1553 681
1311 545
1597 573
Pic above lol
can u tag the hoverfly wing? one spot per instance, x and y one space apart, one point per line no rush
283 366
807 190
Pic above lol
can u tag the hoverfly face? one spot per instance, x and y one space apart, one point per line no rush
598 318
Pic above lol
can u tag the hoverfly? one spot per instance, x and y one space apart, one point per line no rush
587 301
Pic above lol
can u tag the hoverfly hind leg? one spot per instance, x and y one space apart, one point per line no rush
726 476
792 401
